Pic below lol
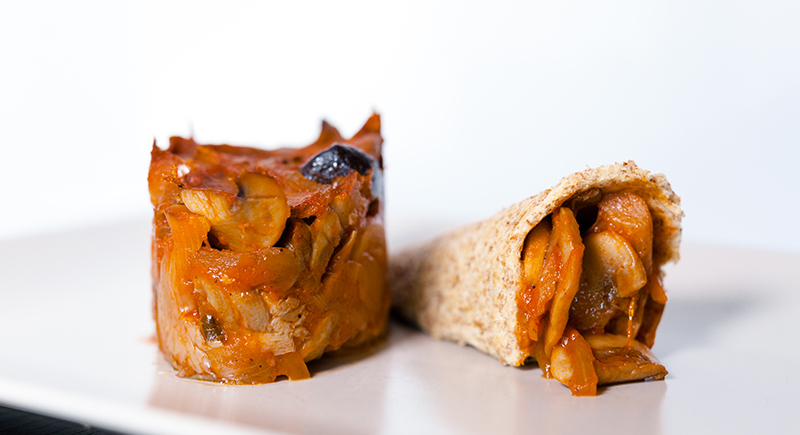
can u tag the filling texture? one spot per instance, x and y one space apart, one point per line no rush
591 297
264 260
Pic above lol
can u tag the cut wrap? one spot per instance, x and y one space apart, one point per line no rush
585 303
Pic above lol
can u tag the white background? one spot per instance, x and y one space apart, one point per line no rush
483 103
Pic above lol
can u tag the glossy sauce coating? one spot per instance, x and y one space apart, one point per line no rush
620 296
257 269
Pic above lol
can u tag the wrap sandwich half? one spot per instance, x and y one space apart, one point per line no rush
570 278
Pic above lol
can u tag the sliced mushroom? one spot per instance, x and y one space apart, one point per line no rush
616 362
572 363
255 219
627 214
563 271
558 278
327 233
533 253
610 257
612 272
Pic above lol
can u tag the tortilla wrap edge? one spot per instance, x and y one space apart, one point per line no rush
463 285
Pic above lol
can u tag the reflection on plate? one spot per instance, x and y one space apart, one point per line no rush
78 344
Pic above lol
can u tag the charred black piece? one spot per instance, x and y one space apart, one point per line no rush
336 161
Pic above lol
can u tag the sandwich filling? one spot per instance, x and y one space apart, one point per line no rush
591 295
263 260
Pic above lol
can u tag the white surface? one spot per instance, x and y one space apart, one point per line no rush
484 103
76 328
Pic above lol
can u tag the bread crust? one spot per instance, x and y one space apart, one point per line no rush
463 285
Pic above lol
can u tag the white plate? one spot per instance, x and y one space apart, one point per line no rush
76 331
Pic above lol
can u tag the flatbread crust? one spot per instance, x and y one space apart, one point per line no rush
463 285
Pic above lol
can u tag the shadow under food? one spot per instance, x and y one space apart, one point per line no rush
325 403
331 361
688 323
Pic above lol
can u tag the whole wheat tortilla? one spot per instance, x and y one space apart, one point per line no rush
463 285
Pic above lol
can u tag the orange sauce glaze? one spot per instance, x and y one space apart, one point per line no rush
250 316
635 317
